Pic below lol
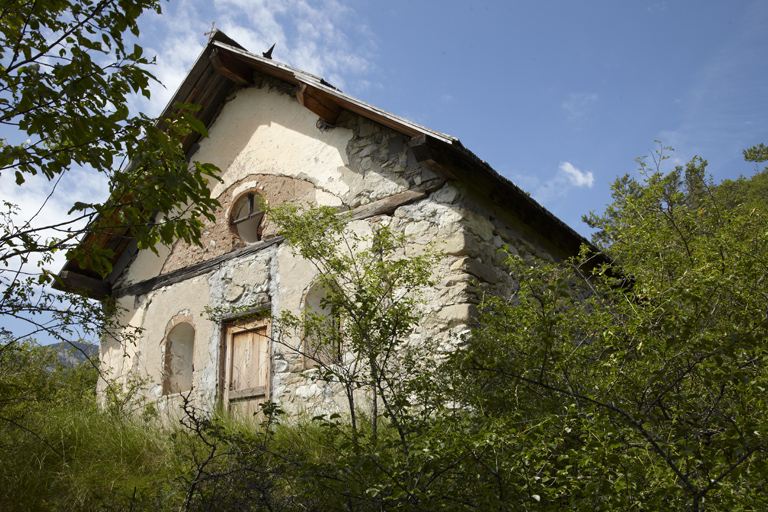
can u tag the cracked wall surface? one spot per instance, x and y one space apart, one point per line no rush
264 140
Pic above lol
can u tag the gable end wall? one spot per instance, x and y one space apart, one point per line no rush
263 139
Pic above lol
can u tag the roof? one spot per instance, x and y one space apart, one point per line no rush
223 64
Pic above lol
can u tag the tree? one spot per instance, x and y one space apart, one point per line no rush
67 73
407 440
747 190
658 360
396 444
372 292
403 441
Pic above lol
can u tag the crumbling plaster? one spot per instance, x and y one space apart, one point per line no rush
263 139
262 130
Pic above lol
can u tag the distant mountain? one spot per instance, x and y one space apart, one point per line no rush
74 353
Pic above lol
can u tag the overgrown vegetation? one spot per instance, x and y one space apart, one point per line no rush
640 385
67 76
658 361
60 451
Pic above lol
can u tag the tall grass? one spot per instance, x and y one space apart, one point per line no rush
60 451
89 460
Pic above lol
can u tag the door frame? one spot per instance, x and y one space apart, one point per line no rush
228 329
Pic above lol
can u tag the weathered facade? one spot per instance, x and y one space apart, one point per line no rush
280 134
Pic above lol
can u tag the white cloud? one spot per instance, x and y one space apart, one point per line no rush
575 176
578 104
312 36
566 177
316 37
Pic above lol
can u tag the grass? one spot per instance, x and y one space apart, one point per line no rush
67 453
84 459
60 451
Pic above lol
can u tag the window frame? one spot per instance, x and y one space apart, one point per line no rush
254 212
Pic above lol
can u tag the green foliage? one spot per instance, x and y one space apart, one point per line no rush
746 191
757 153
67 74
233 464
398 445
638 385
660 358
66 77
373 294
59 451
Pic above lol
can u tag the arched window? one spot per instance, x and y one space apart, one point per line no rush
322 338
179 353
247 214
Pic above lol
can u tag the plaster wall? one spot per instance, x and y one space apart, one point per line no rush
264 140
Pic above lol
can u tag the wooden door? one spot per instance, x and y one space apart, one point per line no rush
247 368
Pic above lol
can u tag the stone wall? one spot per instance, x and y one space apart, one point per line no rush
264 140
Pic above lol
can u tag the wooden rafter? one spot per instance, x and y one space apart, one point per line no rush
231 67
318 102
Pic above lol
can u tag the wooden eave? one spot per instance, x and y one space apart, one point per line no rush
223 64
324 93
440 153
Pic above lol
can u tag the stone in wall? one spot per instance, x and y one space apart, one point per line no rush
384 152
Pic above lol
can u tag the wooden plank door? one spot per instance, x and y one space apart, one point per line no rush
247 368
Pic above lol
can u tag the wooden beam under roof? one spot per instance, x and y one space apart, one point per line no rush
233 69
83 285
332 97
318 102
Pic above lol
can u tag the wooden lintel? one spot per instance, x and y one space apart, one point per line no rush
84 285
386 205
194 270
318 102
231 68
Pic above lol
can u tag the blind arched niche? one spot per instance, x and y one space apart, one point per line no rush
315 352
179 354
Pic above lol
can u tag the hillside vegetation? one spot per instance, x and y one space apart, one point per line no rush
639 385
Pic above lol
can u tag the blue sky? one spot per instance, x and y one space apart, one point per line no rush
558 96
